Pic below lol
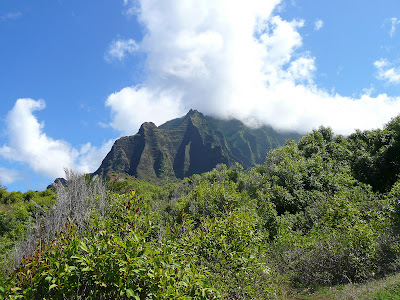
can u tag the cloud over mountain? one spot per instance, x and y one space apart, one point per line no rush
229 59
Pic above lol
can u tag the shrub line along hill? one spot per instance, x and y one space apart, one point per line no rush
317 213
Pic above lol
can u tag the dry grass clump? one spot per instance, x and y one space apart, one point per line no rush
74 204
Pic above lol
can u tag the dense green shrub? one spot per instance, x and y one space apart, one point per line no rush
17 215
323 211
229 249
113 261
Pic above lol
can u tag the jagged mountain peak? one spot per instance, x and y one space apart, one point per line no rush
192 144
146 126
192 112
175 123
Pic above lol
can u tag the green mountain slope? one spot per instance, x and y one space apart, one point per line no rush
190 145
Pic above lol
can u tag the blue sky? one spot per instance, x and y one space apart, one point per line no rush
76 75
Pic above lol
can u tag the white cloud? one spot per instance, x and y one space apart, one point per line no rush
394 22
90 157
120 48
302 69
132 7
318 24
133 106
8 176
27 143
103 125
11 16
232 60
387 72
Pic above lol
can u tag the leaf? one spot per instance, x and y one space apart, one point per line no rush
52 286
72 268
130 293
84 247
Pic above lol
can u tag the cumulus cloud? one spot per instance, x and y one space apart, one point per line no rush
302 69
228 59
90 157
120 48
318 24
133 106
27 143
387 72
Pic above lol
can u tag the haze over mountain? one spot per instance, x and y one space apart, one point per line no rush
189 145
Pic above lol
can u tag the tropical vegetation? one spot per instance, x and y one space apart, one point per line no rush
319 213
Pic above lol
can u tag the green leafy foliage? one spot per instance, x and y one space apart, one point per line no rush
228 248
17 213
115 261
320 212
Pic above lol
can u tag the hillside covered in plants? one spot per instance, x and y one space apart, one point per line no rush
320 212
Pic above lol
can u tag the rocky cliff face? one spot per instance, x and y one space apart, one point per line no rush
61 181
190 145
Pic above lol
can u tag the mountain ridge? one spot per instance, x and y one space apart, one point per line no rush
192 144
